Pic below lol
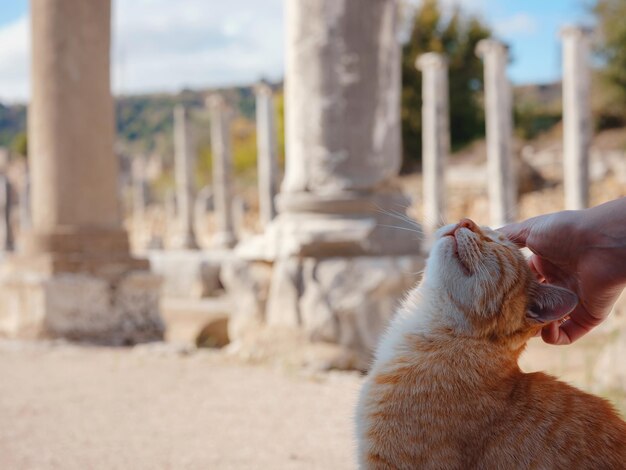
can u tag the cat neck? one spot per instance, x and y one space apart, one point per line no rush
426 331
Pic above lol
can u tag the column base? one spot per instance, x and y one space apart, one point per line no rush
341 224
185 241
81 307
344 302
224 240
86 288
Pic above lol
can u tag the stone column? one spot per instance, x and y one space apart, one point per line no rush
435 136
342 247
342 92
6 231
140 190
267 154
576 116
75 277
499 116
140 196
222 172
184 160
24 205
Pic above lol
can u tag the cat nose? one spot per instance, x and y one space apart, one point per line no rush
468 224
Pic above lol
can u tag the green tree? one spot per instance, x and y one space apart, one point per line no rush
455 35
610 15
19 144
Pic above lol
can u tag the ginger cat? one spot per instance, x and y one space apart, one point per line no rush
445 390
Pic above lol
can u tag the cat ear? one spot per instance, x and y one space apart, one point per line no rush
551 303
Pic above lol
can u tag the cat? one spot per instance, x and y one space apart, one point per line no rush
445 390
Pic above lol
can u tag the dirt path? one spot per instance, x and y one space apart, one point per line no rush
69 407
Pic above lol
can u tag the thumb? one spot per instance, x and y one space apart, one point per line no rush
518 232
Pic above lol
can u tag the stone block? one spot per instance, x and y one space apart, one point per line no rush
247 284
82 307
189 273
346 302
349 301
284 293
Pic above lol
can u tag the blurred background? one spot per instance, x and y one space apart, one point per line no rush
164 54
198 87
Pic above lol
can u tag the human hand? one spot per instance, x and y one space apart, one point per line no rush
584 251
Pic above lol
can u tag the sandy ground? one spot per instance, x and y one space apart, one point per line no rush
153 407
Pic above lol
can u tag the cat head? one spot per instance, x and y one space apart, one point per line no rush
488 287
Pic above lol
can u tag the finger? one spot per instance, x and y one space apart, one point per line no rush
516 232
550 272
533 268
552 334
578 325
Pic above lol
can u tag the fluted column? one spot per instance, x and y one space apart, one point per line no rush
435 136
576 116
502 184
267 154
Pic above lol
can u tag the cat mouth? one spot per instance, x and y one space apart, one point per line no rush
464 267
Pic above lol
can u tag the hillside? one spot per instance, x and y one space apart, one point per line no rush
144 122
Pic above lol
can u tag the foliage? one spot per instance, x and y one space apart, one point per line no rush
537 108
455 35
19 144
610 15
243 141
12 123
531 120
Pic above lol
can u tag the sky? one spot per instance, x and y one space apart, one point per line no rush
166 45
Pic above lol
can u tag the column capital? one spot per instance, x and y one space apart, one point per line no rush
491 46
181 111
575 31
214 100
431 60
263 88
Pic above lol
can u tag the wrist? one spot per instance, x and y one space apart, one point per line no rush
604 229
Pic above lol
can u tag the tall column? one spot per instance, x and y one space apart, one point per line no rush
184 160
576 116
342 244
435 136
71 129
267 155
25 204
6 231
342 91
222 172
75 276
139 189
502 184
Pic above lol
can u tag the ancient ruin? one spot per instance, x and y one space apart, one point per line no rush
341 249
435 136
499 131
74 276
184 158
267 155
222 172
336 248
576 116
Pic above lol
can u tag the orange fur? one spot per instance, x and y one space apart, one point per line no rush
450 394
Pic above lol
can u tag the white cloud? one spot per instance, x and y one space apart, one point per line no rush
165 45
14 60
516 25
